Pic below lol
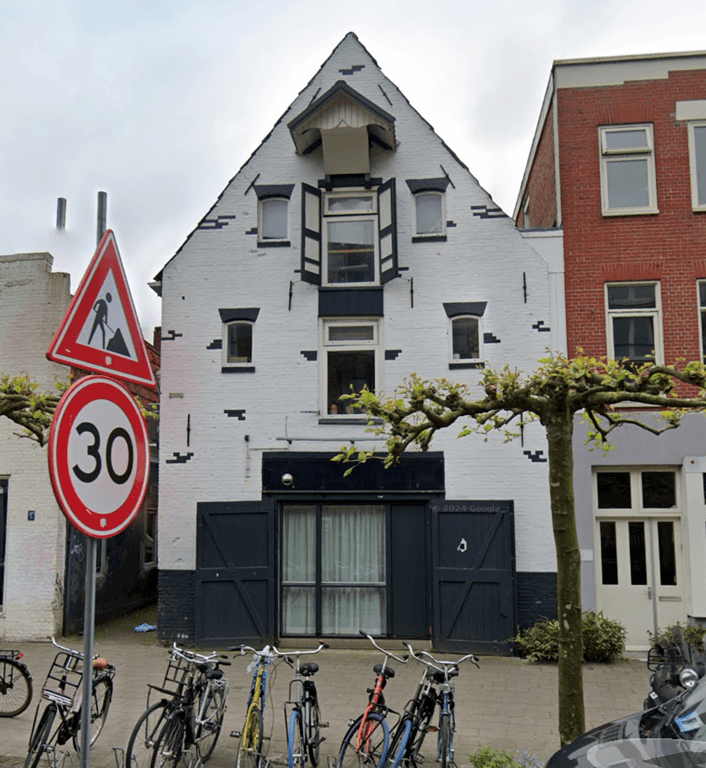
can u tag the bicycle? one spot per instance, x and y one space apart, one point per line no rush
367 740
252 734
63 690
15 684
434 690
188 718
303 734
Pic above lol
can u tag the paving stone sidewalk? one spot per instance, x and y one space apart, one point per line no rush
507 703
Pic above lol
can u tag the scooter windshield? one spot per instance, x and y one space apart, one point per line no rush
689 721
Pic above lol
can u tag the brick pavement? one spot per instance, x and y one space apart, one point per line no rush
507 703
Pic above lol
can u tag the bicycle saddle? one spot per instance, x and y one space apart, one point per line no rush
439 676
309 668
389 671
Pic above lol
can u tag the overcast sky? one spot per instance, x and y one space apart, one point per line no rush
160 102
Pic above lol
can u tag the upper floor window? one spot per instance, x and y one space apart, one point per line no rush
636 490
349 235
627 170
273 223
238 342
351 358
697 161
702 317
429 213
634 324
465 339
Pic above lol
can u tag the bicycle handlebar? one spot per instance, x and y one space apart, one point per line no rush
197 657
70 651
272 652
402 660
443 666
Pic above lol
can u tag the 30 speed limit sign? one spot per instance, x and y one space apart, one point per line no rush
99 456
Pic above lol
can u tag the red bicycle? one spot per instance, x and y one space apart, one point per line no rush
368 739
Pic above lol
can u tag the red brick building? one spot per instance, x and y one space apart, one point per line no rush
618 165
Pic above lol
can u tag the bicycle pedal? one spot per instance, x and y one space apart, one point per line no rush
235 734
326 725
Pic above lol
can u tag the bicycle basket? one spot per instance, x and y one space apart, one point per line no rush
64 679
178 672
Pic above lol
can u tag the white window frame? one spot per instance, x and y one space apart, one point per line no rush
262 205
702 317
654 312
239 363
430 193
479 323
611 156
354 345
695 204
637 506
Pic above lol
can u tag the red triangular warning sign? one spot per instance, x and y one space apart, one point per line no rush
100 331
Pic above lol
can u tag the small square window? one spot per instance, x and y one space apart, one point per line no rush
627 170
238 343
697 160
634 324
613 490
429 213
465 339
274 219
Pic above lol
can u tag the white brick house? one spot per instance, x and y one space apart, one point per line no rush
352 248
33 301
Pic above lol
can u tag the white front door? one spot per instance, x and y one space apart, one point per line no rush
640 574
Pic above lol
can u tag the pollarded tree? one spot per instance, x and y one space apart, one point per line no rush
22 403
558 390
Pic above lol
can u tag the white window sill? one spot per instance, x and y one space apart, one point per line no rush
630 212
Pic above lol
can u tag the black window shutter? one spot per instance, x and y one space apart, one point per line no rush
387 207
311 235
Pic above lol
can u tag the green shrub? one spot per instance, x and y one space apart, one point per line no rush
672 636
603 640
491 757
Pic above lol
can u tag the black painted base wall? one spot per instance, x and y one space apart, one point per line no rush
176 612
536 598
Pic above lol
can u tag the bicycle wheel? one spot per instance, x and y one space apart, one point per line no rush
144 736
399 743
250 746
209 729
295 742
39 740
101 696
374 743
314 738
170 742
445 756
15 688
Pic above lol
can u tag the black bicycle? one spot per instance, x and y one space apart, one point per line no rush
434 689
63 690
188 720
15 684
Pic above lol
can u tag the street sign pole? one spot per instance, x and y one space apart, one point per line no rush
89 611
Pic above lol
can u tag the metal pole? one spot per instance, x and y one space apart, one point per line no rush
88 636
89 612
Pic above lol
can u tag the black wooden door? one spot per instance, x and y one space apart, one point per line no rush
235 572
408 592
473 576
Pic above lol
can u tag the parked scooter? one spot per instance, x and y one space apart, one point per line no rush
676 667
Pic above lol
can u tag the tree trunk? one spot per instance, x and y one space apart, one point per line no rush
572 718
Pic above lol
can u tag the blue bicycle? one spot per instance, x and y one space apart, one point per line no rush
434 691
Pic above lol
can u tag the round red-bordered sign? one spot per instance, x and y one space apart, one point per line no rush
99 456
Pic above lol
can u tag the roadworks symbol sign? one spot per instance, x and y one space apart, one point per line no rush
100 331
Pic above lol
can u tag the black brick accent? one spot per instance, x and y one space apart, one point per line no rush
536 598
252 231
216 344
355 68
456 308
392 354
176 610
537 457
273 190
171 335
488 338
539 326
179 458
218 223
450 224
238 369
309 354
273 243
429 239
484 212
455 366
240 414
